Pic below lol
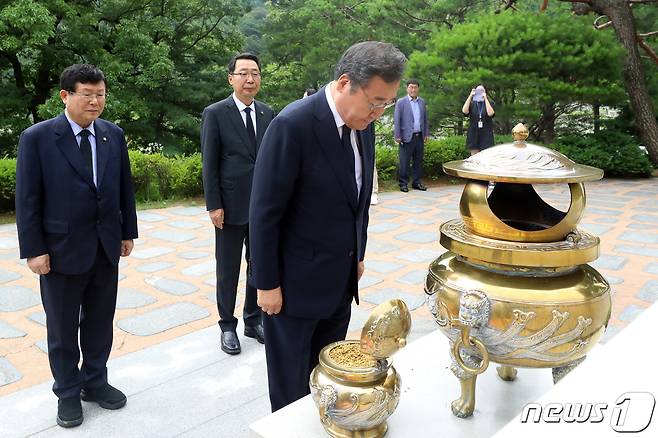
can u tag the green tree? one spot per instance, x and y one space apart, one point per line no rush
165 61
535 67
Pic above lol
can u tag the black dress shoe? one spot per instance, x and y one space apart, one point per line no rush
69 412
404 189
230 343
420 187
256 332
107 396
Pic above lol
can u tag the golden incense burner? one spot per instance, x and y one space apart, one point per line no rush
355 386
514 287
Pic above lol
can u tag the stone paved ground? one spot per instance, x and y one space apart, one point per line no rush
166 287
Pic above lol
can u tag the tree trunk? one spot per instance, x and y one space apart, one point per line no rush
623 22
596 110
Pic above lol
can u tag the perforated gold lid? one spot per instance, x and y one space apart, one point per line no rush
522 162
386 330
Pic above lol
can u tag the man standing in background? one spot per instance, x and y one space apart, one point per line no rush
75 213
411 131
231 133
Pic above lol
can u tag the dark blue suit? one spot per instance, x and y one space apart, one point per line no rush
307 232
61 212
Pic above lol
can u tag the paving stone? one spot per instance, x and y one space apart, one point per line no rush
651 268
614 280
11 255
8 331
38 317
639 250
42 345
418 237
382 267
173 236
164 318
613 263
7 227
130 298
634 236
382 227
420 221
421 255
154 267
446 215
641 193
203 243
210 281
413 301
185 225
201 269
385 216
149 253
188 211
150 217
378 247
407 208
421 327
14 298
413 277
595 229
630 312
358 318
367 281
7 276
645 218
389 196
606 220
610 333
605 204
8 373
649 203
121 276
649 291
193 255
173 287
637 226
421 201
8 242
602 211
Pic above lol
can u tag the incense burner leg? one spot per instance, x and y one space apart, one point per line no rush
507 373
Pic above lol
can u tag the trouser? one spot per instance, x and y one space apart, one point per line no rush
229 242
83 303
292 347
412 151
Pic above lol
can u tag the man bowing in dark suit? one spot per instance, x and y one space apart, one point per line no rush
231 133
75 213
309 213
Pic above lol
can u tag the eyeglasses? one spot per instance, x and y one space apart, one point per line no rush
379 106
243 74
89 97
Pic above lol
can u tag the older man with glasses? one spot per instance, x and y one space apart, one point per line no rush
231 134
309 213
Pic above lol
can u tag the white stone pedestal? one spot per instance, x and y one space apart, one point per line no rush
427 389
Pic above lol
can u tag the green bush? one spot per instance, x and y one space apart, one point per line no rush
186 175
7 183
437 152
616 153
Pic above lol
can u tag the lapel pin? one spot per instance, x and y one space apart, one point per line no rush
261 113
104 138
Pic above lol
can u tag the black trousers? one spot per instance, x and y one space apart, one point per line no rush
86 303
292 346
407 152
228 254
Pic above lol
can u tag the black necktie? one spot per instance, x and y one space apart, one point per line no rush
347 146
250 127
85 150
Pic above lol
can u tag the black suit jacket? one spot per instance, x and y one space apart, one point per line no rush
307 228
59 210
229 157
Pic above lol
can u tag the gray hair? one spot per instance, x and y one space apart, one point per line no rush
367 59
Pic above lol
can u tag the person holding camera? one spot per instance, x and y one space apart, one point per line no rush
480 113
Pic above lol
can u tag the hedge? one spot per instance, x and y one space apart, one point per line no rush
158 177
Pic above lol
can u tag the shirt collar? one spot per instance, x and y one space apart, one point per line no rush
332 105
77 128
412 100
241 106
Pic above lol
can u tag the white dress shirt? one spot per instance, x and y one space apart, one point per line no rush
241 106
92 140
